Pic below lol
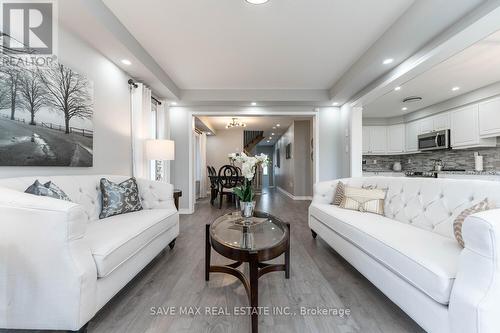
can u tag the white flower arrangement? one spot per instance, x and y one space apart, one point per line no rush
249 165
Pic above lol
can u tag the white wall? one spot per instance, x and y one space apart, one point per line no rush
331 153
224 142
112 154
284 175
181 127
295 174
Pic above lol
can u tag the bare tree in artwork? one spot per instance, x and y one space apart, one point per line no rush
4 94
12 76
67 92
32 93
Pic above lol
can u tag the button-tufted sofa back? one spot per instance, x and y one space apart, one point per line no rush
427 203
85 190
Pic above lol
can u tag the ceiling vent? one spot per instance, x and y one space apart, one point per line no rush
412 99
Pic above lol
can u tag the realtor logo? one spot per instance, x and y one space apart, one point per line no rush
28 28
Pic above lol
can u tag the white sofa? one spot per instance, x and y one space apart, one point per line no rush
60 264
411 254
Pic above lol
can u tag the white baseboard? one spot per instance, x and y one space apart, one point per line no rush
293 197
185 211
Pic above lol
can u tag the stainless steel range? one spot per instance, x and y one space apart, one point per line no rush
426 174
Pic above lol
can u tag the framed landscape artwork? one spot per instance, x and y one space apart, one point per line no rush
45 116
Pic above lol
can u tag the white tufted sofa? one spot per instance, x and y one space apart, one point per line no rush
411 254
60 264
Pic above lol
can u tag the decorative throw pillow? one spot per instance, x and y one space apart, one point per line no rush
459 221
339 194
364 200
119 198
48 189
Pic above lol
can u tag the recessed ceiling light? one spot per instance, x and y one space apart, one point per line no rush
173 103
270 138
257 2
278 125
126 62
455 88
397 88
254 103
268 141
388 61
272 133
335 103
404 109
274 127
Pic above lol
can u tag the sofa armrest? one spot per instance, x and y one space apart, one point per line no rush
45 263
156 195
68 219
475 297
325 191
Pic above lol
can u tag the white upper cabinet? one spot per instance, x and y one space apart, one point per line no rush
465 128
378 139
489 118
412 131
441 121
366 139
435 123
426 125
396 139
374 140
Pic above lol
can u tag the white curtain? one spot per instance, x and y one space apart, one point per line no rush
163 133
203 165
141 129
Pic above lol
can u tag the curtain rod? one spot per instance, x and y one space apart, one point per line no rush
133 84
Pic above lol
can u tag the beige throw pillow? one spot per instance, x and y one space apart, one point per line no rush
364 200
459 221
339 194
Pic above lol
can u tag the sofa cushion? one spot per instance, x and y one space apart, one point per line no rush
115 239
49 189
119 198
426 260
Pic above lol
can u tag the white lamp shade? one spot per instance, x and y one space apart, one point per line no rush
160 150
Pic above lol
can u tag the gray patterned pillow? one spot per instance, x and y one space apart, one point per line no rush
459 221
119 198
339 194
49 189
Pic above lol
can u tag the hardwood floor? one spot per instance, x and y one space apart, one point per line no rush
319 278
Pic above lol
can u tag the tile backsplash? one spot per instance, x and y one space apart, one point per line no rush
452 159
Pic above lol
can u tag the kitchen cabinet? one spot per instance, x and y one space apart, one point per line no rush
374 140
366 139
465 128
435 123
412 130
441 121
426 125
489 118
396 139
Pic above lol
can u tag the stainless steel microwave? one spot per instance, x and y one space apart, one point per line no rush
434 140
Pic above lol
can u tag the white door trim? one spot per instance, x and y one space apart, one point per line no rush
192 114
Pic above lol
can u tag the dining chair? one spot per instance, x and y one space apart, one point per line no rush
214 185
228 180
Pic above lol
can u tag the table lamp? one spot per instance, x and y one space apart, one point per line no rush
160 150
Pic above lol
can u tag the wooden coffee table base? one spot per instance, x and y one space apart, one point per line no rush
257 269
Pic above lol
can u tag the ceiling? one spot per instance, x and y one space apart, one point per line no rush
268 124
473 68
230 44
283 53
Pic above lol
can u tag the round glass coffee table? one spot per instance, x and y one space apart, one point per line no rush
264 239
